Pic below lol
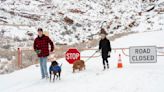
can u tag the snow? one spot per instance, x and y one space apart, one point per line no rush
3 60
95 12
152 38
131 78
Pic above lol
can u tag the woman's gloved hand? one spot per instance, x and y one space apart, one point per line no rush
109 54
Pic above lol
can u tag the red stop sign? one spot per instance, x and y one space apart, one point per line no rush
72 55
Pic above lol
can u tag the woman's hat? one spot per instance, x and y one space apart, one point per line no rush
102 31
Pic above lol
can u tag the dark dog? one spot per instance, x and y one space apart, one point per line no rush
78 65
55 69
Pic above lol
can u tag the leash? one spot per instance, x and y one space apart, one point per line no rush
61 64
91 56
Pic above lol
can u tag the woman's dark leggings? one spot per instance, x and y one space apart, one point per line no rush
105 61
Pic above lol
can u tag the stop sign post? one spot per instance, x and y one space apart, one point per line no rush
72 55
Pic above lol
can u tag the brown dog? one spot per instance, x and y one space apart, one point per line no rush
78 65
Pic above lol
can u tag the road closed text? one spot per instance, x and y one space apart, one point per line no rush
143 54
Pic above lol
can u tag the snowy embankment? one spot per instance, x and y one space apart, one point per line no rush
131 78
84 18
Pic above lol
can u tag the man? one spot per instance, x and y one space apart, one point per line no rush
41 47
105 47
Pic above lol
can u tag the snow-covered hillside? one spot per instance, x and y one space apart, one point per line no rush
74 21
131 78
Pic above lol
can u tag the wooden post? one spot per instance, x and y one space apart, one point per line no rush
19 58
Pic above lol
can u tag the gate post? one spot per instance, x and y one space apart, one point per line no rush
19 58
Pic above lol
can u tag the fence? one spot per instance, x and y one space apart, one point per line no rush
28 57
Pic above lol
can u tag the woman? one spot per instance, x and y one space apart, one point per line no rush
104 47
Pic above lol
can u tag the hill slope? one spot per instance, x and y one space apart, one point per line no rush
74 21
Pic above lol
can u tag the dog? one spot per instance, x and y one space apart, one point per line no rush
55 70
78 65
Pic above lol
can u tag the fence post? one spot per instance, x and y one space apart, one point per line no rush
19 58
